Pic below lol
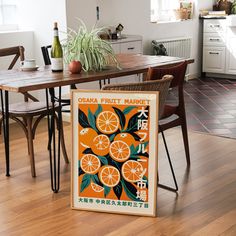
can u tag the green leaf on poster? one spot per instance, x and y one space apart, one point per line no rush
98 111
83 120
103 160
127 110
91 120
85 182
106 190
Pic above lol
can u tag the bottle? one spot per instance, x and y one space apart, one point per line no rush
56 52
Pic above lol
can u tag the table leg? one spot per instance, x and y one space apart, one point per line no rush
5 115
54 153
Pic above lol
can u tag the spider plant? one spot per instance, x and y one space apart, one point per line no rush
88 48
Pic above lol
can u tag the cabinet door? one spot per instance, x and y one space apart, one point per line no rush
131 47
214 59
231 56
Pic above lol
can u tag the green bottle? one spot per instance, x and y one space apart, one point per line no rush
56 52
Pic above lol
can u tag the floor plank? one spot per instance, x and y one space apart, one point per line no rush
205 204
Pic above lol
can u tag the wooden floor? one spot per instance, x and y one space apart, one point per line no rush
205 205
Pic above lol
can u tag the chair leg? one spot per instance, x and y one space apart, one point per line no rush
185 139
1 122
30 145
171 167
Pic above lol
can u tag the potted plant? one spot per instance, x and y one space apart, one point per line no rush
87 47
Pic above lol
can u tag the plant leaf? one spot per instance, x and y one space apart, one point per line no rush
98 111
130 190
121 117
136 137
112 137
103 160
133 123
127 110
106 190
83 120
118 190
95 179
88 151
85 182
91 120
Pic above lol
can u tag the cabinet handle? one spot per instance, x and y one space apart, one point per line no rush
216 26
132 48
214 53
214 39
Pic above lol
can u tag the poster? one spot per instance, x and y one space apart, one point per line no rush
114 163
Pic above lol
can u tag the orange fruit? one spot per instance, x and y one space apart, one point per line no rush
107 122
132 171
90 163
109 176
97 188
125 137
119 151
86 136
100 145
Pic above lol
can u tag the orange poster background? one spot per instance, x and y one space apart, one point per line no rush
90 185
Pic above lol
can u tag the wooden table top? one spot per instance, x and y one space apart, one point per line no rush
24 81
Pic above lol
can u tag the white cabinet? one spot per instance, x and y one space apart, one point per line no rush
219 47
214 48
128 44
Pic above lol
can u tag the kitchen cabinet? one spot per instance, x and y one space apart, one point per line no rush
214 47
219 47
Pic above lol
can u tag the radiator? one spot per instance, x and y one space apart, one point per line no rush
176 47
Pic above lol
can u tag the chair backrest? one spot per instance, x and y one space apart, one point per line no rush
18 51
46 56
178 71
158 85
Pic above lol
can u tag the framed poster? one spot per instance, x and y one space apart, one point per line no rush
114 164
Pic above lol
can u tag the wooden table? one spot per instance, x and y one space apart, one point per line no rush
23 82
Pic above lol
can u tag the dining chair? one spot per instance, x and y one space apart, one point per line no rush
27 114
158 85
178 71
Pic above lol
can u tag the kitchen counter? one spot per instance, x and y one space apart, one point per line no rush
126 38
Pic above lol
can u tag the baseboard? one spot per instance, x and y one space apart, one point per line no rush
222 76
191 76
66 117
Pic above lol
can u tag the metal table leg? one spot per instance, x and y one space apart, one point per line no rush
5 114
54 153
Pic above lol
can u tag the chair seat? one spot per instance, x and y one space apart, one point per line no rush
168 111
28 107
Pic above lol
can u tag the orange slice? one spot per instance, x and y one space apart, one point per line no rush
109 176
132 171
97 188
125 137
119 151
107 122
100 145
86 136
90 164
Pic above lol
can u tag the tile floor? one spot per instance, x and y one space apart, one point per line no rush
210 105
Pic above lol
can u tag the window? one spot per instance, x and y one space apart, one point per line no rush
8 14
170 10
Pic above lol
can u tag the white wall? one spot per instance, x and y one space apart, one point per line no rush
39 16
135 17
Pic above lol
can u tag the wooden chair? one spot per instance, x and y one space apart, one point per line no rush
158 85
27 114
178 71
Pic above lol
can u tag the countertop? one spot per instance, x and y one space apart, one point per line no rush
126 38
